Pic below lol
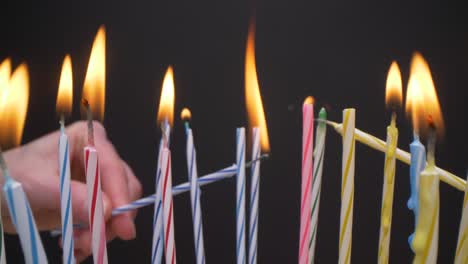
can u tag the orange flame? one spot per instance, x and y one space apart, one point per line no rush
393 91
65 91
166 103
422 102
309 100
252 92
94 89
186 114
5 71
13 107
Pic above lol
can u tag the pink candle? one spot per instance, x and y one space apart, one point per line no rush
306 196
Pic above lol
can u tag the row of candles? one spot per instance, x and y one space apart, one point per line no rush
421 103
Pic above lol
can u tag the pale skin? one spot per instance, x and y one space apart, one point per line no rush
35 165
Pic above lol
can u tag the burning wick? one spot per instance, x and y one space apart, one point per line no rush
431 141
3 165
89 117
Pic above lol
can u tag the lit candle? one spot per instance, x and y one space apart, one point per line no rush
429 118
319 153
13 112
5 71
260 141
347 187
240 196
93 98
307 166
64 105
461 253
393 100
163 222
194 190
414 106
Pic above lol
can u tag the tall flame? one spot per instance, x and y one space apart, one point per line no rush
252 92
65 91
166 103
5 71
393 91
14 108
422 101
94 89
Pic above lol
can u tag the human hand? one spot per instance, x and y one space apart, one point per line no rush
35 165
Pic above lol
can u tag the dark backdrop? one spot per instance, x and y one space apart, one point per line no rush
336 50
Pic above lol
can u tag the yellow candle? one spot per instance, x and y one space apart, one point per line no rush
461 255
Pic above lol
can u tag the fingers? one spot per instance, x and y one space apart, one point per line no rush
80 203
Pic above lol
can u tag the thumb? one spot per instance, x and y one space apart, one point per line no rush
80 203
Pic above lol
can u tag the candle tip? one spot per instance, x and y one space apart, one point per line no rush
323 114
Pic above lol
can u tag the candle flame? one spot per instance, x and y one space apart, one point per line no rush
166 103
422 102
393 91
13 107
309 100
252 92
185 115
5 71
65 91
94 89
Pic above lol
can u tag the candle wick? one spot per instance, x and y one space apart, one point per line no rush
394 117
164 126
62 123
431 142
89 116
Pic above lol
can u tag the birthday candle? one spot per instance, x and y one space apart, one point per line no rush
393 101
195 198
387 193
319 153
240 196
157 248
461 253
64 103
167 207
401 155
254 196
347 187
426 237
2 242
306 193
22 218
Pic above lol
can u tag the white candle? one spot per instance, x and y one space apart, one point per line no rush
254 196
347 187
240 197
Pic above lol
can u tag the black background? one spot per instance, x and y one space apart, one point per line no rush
336 50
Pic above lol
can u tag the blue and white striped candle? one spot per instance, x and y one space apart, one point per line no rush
23 220
65 198
158 235
240 197
418 162
195 199
254 196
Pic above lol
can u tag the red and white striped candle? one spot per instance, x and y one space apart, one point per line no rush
306 196
168 212
95 206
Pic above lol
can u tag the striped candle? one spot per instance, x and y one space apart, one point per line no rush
418 162
65 199
95 206
167 207
306 193
347 187
254 196
240 196
2 241
319 153
195 199
426 237
157 248
461 254
380 145
23 220
387 193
